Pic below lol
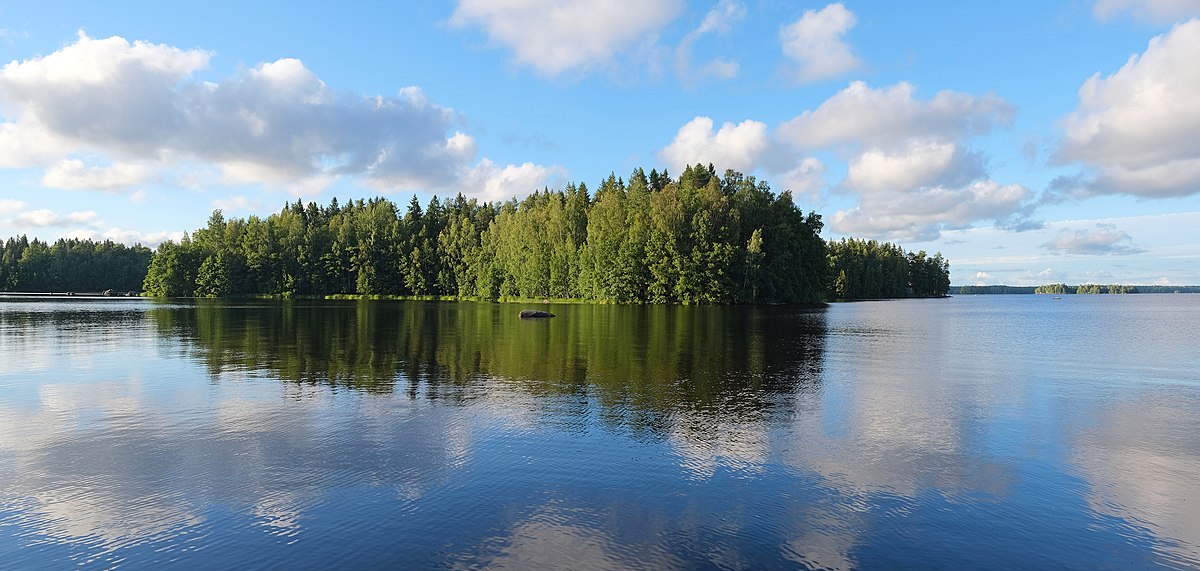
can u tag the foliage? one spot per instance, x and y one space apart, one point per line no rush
867 269
1059 289
990 289
702 238
71 265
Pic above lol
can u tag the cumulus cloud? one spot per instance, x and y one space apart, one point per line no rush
737 147
1106 239
745 147
917 164
815 43
919 214
908 161
1135 130
557 36
718 20
493 182
276 123
85 224
43 218
10 205
805 178
1159 11
74 174
862 115
130 237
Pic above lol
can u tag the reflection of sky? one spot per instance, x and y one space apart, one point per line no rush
1141 457
926 441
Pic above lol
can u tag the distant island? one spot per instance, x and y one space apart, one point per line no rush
701 238
1061 289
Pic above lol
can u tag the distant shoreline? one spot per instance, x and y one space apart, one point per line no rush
1069 289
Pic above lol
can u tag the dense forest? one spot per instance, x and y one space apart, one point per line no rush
71 265
866 269
701 238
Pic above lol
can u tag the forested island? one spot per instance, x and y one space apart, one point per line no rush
701 238
1059 289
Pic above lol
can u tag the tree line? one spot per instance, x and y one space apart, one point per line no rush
71 265
991 290
701 238
867 269
1059 289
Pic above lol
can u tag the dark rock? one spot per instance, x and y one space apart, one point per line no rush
535 314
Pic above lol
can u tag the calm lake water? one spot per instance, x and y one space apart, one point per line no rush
981 432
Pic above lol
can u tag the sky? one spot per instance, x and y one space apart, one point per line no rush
1029 142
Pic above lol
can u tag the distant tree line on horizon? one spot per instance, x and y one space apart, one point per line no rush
701 238
1067 289
991 290
1059 289
71 265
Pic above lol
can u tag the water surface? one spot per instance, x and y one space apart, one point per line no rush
974 432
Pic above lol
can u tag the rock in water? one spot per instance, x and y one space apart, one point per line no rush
534 314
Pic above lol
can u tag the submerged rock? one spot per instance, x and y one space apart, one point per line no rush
534 314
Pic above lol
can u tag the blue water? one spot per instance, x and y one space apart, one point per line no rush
982 432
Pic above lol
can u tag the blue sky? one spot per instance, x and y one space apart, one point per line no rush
1030 142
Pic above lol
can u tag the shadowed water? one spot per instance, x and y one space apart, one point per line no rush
975 432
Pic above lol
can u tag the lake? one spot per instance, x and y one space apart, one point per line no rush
977 432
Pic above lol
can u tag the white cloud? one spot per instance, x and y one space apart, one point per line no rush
815 45
739 147
805 178
745 147
919 214
73 174
43 218
10 205
139 196
1135 130
1161 11
276 123
556 36
1106 239
863 116
718 20
908 161
82 217
919 164
85 224
492 182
